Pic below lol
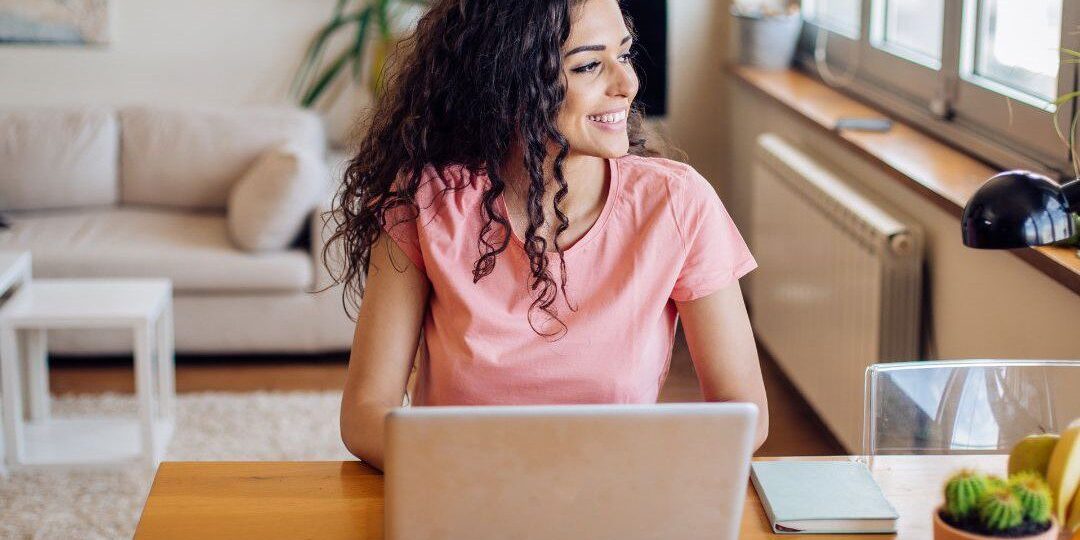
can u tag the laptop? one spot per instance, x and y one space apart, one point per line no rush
547 472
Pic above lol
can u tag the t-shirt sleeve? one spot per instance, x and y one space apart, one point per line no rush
401 226
714 253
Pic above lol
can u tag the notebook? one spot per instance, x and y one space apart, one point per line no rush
822 497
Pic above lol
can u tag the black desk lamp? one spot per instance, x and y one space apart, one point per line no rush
1017 209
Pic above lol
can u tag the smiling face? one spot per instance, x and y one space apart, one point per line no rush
600 81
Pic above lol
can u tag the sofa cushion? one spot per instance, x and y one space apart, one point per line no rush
57 157
270 203
189 157
192 249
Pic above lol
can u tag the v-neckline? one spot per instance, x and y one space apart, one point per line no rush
594 231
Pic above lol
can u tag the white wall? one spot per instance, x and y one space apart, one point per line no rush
697 47
227 52
197 51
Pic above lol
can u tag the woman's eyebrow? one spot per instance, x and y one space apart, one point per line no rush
585 48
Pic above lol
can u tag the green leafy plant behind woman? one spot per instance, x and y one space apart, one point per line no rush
356 18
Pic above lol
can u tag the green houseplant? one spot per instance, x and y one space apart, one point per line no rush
1071 57
998 214
362 21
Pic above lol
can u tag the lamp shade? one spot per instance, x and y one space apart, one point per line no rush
1018 209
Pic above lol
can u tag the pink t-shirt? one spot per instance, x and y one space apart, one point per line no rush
663 235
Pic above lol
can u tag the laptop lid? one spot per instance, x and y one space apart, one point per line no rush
547 472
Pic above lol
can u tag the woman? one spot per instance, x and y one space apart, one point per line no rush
506 151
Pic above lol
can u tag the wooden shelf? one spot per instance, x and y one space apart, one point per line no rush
942 174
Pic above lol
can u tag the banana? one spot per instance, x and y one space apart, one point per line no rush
1073 523
1063 472
1032 453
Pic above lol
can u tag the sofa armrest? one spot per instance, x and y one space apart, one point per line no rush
322 227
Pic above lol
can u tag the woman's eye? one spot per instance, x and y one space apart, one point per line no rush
589 68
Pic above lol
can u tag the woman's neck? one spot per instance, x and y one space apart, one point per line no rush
585 181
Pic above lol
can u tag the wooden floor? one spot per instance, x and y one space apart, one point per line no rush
794 428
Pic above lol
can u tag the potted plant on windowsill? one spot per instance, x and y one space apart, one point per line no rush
766 32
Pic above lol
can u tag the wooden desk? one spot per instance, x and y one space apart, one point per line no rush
345 499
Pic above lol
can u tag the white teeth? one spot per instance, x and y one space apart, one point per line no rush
609 118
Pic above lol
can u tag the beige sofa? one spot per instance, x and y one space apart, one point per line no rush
143 192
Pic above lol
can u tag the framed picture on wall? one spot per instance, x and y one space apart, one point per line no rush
55 22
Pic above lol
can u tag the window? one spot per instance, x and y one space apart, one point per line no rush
983 74
1016 44
912 28
903 50
840 16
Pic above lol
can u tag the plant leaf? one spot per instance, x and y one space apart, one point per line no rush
1072 146
383 18
358 44
314 54
1065 98
327 77
378 66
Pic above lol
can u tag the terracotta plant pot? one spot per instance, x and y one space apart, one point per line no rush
944 531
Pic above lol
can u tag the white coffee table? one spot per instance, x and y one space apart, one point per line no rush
14 271
143 306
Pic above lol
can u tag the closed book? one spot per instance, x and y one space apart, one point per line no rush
822 497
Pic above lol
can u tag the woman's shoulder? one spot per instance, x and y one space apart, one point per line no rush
654 166
437 178
679 180
453 184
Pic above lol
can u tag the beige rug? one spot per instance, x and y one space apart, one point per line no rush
261 426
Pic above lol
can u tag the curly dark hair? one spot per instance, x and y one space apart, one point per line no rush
475 78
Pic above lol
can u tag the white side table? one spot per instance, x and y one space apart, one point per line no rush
143 306
14 272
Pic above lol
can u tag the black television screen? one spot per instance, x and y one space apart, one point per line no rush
650 21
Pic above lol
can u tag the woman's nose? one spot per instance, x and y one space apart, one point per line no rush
624 81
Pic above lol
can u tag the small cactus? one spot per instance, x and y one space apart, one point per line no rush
1000 509
994 481
963 492
1034 495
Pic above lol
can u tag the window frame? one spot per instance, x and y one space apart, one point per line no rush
878 27
887 67
947 102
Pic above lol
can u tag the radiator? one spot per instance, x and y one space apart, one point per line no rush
838 285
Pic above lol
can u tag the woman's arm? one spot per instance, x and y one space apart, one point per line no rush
722 347
384 345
